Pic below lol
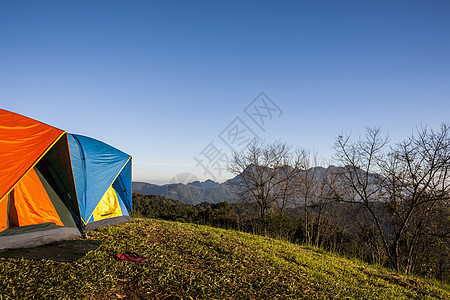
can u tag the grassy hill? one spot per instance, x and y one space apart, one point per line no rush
187 261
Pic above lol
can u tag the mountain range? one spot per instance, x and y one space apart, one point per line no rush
208 191
192 193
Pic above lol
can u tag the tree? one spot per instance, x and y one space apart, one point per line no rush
360 185
265 172
398 188
418 171
220 214
313 187
322 204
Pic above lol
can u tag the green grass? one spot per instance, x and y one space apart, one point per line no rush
187 261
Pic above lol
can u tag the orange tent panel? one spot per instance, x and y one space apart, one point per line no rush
31 203
22 142
3 213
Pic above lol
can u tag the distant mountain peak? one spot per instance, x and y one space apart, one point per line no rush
204 185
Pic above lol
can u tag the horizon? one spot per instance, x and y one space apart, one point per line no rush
179 86
187 178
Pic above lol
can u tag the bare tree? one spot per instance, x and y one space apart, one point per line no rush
265 174
313 194
361 186
323 205
306 186
398 188
418 172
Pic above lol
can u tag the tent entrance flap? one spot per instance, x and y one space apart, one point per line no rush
31 204
108 207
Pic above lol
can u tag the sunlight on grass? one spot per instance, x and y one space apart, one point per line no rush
187 261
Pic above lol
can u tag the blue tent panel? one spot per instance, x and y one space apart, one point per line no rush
96 165
123 207
122 185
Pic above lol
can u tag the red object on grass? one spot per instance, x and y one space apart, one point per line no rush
131 257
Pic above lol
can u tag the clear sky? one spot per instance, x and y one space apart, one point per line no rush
177 84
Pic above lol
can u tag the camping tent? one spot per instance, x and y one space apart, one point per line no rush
38 202
52 182
102 176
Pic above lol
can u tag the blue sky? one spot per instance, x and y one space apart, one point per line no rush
168 81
